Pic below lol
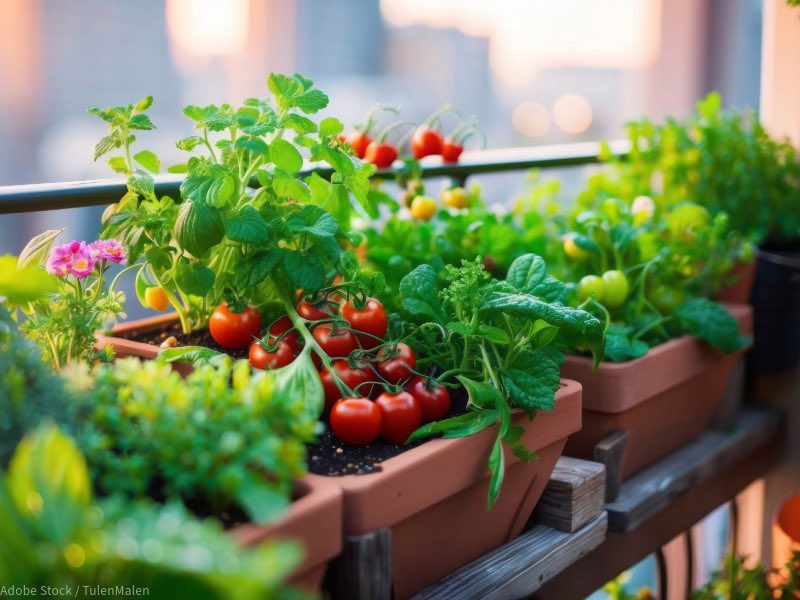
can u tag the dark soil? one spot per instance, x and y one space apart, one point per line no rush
197 338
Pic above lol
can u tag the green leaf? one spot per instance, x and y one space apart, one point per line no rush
49 480
305 271
286 186
532 378
255 145
330 126
222 190
26 284
493 334
38 249
178 169
247 226
481 394
198 227
709 321
285 156
143 104
189 143
513 438
106 144
283 87
142 183
194 279
262 502
299 379
299 123
464 425
118 165
543 333
420 295
621 347
148 160
256 268
159 259
551 290
311 101
141 121
526 273
195 355
497 469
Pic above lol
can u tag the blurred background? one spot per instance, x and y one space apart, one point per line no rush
533 71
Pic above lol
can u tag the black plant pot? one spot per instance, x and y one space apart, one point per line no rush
776 307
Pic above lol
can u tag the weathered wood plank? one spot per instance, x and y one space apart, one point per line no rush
364 569
574 495
653 489
609 452
520 567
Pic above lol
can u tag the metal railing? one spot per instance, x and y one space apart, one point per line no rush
76 194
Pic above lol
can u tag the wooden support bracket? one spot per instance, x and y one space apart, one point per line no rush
364 569
574 495
608 451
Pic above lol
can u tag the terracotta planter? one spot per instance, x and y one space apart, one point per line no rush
786 533
664 399
314 519
433 497
738 292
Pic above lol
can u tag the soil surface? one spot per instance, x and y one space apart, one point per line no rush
329 456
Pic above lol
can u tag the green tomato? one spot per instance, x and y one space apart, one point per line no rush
572 249
686 220
666 298
591 285
616 288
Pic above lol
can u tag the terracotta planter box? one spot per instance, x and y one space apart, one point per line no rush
664 399
739 291
124 348
433 497
314 519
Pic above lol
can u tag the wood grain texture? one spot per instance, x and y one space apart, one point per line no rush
653 489
574 495
519 568
364 570
609 452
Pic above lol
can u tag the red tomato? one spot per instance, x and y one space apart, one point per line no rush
338 344
352 378
234 331
400 416
426 142
356 421
371 320
283 325
451 151
381 155
394 364
314 312
434 402
261 358
359 141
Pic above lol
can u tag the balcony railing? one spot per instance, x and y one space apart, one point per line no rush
76 194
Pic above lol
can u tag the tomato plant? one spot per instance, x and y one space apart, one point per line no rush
314 312
400 416
423 208
356 421
234 330
426 142
396 363
615 288
451 151
334 341
591 286
455 197
352 378
263 358
368 321
156 298
281 327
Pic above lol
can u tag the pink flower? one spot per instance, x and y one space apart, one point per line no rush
73 258
110 250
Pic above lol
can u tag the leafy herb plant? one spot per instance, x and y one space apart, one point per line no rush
503 341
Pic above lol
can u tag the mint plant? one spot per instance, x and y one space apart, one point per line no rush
248 226
503 341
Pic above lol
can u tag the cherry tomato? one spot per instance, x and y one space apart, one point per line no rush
573 250
616 288
156 298
686 219
381 155
395 363
426 142
352 378
455 198
314 312
591 285
283 325
336 344
371 320
234 331
451 151
666 298
434 402
423 208
356 421
400 416
261 358
359 141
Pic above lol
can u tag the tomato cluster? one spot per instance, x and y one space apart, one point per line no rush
371 387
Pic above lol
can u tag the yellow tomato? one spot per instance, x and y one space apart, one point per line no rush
423 208
573 250
156 298
455 198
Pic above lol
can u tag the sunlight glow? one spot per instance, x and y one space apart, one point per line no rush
572 113
208 27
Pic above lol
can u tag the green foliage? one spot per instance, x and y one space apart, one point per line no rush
500 340
736 582
54 534
247 225
221 439
29 391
